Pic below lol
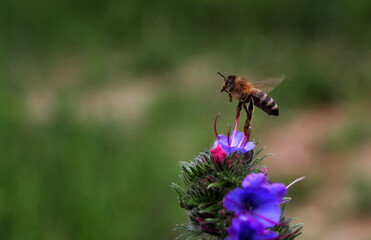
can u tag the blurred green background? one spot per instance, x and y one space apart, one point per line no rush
100 100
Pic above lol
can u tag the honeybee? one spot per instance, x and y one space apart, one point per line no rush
252 93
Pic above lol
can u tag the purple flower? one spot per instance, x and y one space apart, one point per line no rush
259 180
234 143
257 199
244 227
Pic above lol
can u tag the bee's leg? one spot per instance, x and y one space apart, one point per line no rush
230 97
239 107
247 126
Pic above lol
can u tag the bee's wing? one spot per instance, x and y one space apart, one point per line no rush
268 84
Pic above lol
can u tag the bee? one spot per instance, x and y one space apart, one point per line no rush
253 93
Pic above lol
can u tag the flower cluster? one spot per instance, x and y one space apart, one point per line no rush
255 207
227 195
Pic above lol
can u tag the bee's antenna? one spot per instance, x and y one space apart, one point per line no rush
221 75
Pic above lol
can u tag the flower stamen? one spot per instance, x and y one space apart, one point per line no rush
216 133
295 181
229 133
231 144
243 137
235 126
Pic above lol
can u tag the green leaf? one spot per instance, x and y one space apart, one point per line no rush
258 151
178 189
211 208
211 220
258 160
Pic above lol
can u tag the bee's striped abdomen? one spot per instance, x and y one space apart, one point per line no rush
265 102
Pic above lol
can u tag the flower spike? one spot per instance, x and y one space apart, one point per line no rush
227 194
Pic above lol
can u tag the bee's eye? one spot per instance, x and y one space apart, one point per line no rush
229 81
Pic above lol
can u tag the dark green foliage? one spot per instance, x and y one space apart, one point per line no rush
286 231
204 185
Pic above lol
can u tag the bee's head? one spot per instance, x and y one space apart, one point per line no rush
228 82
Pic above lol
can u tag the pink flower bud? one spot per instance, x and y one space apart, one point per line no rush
219 154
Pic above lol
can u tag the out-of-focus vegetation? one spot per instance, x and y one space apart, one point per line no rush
100 100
